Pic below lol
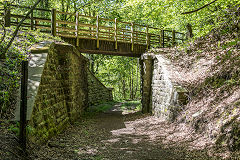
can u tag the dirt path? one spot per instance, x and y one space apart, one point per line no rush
115 135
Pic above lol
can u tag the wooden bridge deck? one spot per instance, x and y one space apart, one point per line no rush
93 35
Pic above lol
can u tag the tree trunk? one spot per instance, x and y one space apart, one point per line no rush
136 89
130 87
132 81
124 88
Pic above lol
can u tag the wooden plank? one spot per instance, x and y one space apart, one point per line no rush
77 28
84 32
66 29
18 16
123 22
65 22
42 20
16 23
43 25
106 37
155 28
132 40
85 16
125 37
124 30
88 30
65 13
109 33
107 28
86 25
65 35
140 33
105 19
53 22
87 37
97 31
40 27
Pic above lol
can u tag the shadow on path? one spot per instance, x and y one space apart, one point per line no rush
112 135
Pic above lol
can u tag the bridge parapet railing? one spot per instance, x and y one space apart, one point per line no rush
75 25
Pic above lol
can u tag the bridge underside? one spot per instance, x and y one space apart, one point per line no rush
107 47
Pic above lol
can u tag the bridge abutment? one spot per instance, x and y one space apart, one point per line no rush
147 61
162 95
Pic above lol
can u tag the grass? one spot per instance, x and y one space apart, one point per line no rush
105 106
131 105
102 107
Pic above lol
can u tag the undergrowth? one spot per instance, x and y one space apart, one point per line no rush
10 68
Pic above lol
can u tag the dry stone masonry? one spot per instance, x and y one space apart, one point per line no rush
60 86
97 92
62 93
166 97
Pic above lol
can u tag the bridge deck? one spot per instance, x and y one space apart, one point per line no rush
94 35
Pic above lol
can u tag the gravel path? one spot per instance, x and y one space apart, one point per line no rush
115 135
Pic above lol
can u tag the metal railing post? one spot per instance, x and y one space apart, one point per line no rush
23 104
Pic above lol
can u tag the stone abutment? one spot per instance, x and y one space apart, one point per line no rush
162 96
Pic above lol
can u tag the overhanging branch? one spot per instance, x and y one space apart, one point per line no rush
189 12
4 33
19 25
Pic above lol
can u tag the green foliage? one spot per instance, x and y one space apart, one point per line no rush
232 43
131 105
120 73
15 128
10 69
102 107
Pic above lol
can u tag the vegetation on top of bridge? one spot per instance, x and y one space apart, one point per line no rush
75 25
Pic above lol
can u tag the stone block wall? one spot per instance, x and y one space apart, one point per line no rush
168 97
97 92
146 63
161 94
62 94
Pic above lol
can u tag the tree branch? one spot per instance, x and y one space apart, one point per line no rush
199 8
4 33
18 27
